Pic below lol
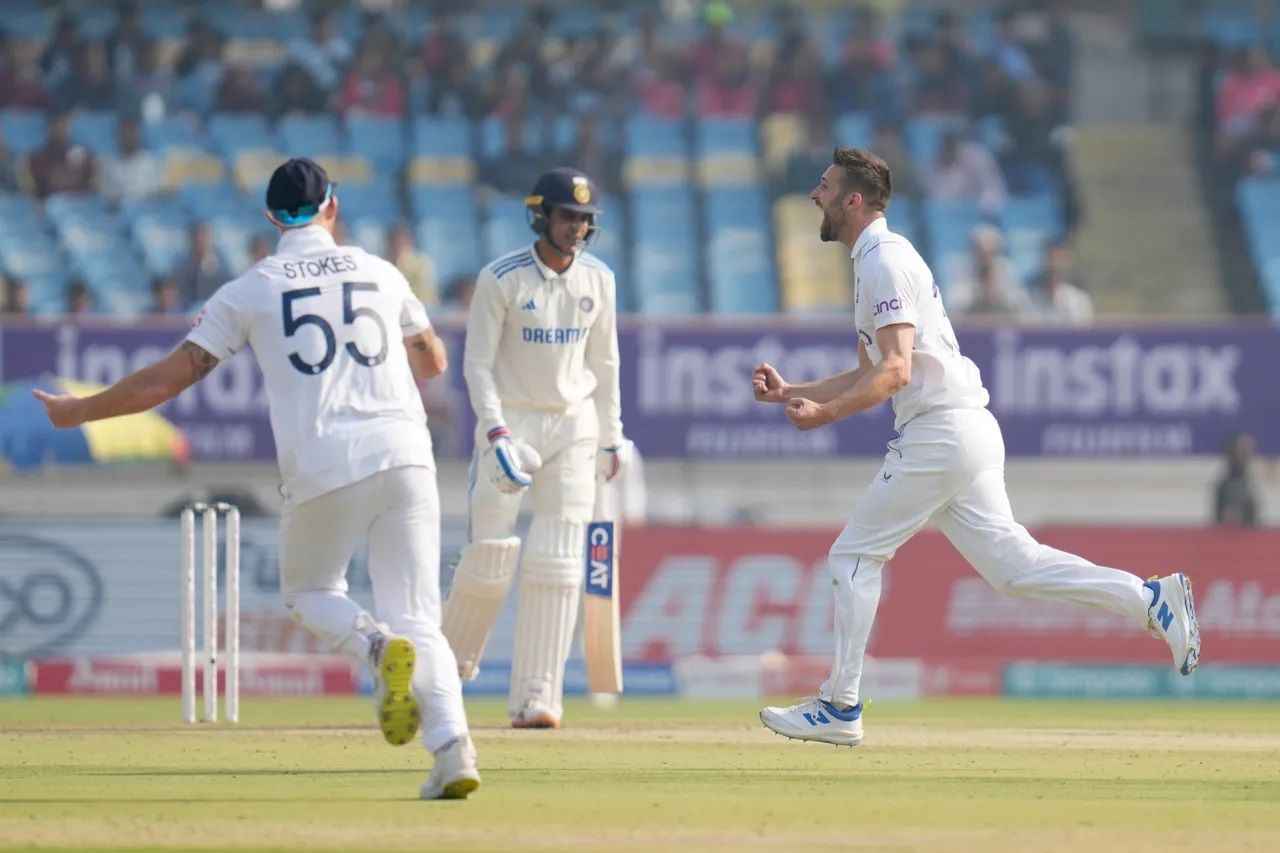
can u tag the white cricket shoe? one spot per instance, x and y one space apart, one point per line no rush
1172 618
455 774
815 719
535 715
392 659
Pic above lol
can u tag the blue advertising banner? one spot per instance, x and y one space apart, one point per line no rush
1111 391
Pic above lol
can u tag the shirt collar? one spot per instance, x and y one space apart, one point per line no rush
878 227
545 271
294 240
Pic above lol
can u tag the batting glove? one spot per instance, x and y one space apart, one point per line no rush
509 463
612 462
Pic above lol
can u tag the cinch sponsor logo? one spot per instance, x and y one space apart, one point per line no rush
705 379
1123 377
894 304
553 336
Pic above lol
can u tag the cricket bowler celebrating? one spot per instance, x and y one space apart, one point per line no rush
339 337
541 366
946 464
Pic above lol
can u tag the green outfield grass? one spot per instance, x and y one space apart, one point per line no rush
936 776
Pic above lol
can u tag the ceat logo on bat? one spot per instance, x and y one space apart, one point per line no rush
600 558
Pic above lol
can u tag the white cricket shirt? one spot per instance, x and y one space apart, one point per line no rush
893 284
538 340
327 325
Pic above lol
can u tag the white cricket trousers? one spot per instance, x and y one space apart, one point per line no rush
398 511
947 466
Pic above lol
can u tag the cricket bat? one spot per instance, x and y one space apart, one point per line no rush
601 630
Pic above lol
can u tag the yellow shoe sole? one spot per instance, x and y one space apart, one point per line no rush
398 714
459 790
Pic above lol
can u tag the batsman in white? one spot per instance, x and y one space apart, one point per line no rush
339 337
541 365
945 465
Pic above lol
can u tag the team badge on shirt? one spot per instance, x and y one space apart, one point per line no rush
586 303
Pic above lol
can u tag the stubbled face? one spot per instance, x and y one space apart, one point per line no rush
568 229
830 198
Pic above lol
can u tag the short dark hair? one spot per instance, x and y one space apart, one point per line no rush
865 173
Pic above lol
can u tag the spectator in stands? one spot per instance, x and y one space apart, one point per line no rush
1056 298
88 85
458 294
1257 151
378 36
509 94
985 287
727 91
994 93
18 299
323 55
861 83
8 167
659 82
126 42
707 54
868 20
888 143
1249 87
199 68
259 247
965 172
417 267
593 155
59 165
371 88
443 49
811 157
457 94
956 45
796 83
149 92
1008 50
1053 50
20 84
515 169
166 296
55 59
1235 498
203 271
240 91
133 172
938 87
79 298
1035 158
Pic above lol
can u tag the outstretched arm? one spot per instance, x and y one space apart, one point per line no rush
139 391
769 386
872 388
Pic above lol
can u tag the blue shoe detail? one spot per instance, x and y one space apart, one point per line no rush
813 719
848 716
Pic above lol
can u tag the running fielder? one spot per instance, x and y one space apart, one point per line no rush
339 338
946 464
541 365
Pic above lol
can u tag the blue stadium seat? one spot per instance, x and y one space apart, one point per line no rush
378 139
16 209
740 272
163 245
949 227
204 201
95 130
493 137
665 277
441 137
506 227
65 208
28 19
903 217
736 207
645 136
854 130
312 136
454 251
164 21
229 134
376 201
94 21
455 201
717 136
23 130
662 213
179 131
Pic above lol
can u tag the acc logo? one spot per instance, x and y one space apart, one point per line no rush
586 303
581 192
49 594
